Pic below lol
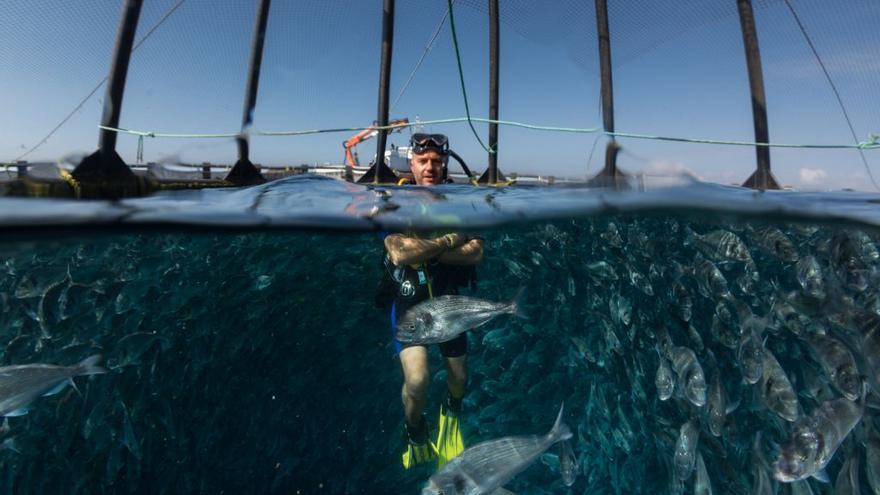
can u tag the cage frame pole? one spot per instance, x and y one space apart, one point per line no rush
244 172
104 169
494 71
609 173
379 171
762 178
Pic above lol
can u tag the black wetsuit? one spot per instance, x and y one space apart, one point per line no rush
404 287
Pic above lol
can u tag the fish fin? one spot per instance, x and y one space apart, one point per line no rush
822 475
677 271
560 430
516 308
57 388
733 406
689 236
21 411
89 366
73 384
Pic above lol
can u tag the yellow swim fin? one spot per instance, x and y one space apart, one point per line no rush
418 448
418 453
449 441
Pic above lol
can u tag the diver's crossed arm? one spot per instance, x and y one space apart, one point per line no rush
452 249
470 253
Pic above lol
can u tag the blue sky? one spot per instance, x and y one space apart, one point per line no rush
679 71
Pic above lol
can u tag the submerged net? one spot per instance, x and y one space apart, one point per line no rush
258 364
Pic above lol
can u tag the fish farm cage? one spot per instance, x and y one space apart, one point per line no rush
808 48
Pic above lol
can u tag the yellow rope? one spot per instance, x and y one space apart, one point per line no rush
73 183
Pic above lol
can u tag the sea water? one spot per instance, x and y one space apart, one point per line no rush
246 353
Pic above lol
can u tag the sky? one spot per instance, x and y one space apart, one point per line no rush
678 68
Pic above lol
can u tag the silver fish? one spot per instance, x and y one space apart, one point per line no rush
710 281
640 281
691 379
568 463
838 363
682 304
872 461
664 380
601 270
750 355
809 275
776 243
485 467
719 245
443 318
686 449
815 439
702 484
621 310
717 409
847 482
22 384
775 389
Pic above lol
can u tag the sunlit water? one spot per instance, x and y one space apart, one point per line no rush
248 356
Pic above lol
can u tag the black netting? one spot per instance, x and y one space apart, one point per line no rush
679 70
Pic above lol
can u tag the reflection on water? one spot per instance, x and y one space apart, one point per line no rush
688 353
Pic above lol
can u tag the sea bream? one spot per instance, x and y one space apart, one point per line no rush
21 384
443 318
485 467
568 463
686 450
691 380
815 440
838 363
720 245
775 389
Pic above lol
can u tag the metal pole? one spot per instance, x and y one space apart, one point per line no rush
609 172
380 169
131 11
104 174
244 171
762 178
605 65
494 60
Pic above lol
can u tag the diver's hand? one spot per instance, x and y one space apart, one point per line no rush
454 240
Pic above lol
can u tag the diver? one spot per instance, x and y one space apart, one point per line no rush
416 268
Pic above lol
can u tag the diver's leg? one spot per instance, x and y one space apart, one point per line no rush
414 362
456 377
449 440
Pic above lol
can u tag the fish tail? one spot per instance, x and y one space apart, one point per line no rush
560 430
515 307
90 366
689 236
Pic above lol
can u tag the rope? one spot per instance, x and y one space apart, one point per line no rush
98 86
873 141
73 183
834 89
467 109
427 50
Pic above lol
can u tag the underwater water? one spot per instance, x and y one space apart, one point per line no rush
257 362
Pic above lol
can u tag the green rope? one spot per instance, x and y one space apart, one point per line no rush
873 141
467 109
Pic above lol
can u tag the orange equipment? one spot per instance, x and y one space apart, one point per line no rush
351 158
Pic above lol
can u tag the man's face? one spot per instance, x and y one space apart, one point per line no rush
427 167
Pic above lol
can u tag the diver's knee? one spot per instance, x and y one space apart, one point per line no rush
417 383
